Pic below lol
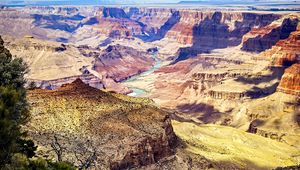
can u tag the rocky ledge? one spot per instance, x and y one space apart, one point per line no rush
86 126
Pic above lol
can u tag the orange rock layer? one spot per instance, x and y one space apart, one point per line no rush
286 52
290 82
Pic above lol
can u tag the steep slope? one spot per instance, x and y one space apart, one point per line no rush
75 24
285 52
261 39
290 82
217 30
86 124
207 26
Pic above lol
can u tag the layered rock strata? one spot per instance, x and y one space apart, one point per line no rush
120 62
261 39
290 82
216 30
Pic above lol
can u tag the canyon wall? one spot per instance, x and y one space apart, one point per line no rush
120 62
261 39
53 64
290 82
149 24
285 52
217 30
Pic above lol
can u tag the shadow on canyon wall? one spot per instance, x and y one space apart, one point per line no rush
257 92
58 22
204 112
275 73
114 13
160 34
259 44
212 34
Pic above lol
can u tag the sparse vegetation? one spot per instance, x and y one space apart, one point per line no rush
15 150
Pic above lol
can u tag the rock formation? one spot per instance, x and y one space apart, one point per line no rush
69 24
89 79
87 124
286 52
261 39
120 62
214 30
53 64
290 81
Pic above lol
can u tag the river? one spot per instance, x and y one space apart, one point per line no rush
137 92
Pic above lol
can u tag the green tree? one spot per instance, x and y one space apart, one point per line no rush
15 150
14 110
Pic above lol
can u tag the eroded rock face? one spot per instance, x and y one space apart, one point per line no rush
89 124
53 64
149 24
217 30
155 22
260 39
286 52
290 82
197 24
117 62
89 79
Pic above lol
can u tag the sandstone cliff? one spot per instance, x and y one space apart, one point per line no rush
290 82
216 30
261 39
286 52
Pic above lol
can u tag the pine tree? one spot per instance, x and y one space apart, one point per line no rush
14 110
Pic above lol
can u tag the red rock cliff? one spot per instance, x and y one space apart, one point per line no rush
290 82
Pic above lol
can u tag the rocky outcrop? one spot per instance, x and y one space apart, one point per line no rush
114 13
265 133
290 82
213 76
286 52
120 62
260 39
89 79
226 95
117 28
92 125
29 43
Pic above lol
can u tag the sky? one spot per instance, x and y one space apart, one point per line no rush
115 1
99 2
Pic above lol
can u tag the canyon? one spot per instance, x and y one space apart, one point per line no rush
210 88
